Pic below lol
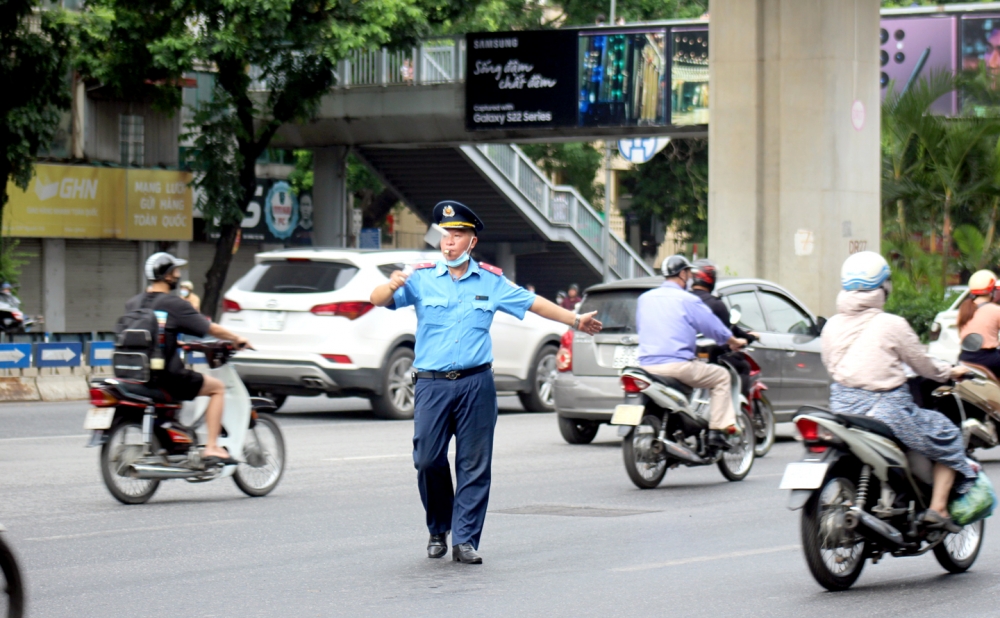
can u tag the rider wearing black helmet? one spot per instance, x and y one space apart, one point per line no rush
177 316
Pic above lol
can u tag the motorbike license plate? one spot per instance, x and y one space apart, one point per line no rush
625 356
804 475
272 320
98 418
627 415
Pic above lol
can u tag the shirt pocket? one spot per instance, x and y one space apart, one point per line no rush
482 314
435 310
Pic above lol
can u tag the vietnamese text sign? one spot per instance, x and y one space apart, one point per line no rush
523 79
158 205
15 355
62 354
67 201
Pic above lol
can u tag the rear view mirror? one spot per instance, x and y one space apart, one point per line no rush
734 316
820 323
972 343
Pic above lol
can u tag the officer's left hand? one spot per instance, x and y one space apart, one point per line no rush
589 324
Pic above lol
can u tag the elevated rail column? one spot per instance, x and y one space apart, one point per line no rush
330 197
793 183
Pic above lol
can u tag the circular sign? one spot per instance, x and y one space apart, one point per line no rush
281 210
641 149
858 115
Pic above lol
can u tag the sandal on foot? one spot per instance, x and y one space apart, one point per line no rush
934 521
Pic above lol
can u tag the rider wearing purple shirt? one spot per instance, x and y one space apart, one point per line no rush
669 320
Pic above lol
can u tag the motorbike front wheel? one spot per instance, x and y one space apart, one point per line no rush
736 462
645 466
264 457
957 552
11 584
125 446
835 555
763 427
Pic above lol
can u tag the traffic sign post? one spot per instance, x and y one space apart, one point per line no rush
63 354
100 353
15 355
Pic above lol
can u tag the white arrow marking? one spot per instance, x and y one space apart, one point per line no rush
11 356
103 353
65 354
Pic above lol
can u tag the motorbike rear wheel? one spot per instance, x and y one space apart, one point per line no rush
645 468
763 425
11 584
264 454
123 447
835 555
957 552
735 463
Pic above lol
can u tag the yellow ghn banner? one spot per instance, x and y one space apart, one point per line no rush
67 201
159 204
75 201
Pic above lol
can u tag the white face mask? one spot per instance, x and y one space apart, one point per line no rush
185 292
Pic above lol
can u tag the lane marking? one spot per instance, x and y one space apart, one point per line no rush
683 561
83 535
81 436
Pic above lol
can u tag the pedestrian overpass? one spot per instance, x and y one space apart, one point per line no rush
409 129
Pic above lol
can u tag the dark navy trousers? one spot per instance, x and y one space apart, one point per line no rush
467 409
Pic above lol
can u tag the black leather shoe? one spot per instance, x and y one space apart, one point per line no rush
464 553
437 546
717 439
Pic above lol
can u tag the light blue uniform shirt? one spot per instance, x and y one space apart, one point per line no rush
454 317
669 319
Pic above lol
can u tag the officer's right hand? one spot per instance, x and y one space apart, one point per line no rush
397 280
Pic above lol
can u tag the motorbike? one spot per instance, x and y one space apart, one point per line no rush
12 319
664 423
11 584
144 438
974 403
759 407
850 460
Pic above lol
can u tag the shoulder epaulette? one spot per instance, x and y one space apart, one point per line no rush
424 265
491 268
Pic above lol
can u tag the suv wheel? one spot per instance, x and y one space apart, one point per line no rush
541 397
396 401
577 431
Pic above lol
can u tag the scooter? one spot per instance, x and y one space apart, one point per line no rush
11 584
144 440
974 403
664 423
850 460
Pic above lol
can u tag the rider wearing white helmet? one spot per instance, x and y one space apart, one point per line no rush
979 315
866 352
178 317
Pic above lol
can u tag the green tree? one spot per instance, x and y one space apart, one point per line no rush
580 12
35 67
273 61
672 190
574 163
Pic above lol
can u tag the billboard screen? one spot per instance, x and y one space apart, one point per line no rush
912 47
518 80
689 76
623 77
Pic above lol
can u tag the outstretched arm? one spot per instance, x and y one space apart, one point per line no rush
548 309
382 295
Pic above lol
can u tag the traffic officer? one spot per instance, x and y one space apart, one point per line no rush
455 300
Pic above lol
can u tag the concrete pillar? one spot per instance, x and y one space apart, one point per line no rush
183 250
54 284
330 197
793 140
507 260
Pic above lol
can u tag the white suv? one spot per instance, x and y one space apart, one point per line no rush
307 312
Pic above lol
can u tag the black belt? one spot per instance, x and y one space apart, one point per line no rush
450 375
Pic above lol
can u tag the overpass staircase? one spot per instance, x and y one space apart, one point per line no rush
549 234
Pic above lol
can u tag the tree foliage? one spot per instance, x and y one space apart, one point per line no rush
573 163
273 60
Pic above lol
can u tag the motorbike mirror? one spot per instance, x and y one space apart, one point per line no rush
734 316
972 343
435 234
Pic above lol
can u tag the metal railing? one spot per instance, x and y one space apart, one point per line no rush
563 206
438 61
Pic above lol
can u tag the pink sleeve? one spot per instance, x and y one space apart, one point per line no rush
913 353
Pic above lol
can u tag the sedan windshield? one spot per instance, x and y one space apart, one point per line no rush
615 309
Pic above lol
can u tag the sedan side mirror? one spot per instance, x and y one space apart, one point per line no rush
734 316
820 323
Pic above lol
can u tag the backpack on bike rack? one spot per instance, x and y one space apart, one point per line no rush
138 343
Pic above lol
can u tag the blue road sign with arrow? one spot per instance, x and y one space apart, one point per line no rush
100 353
63 354
15 355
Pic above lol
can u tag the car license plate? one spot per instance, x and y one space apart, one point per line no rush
804 475
272 320
625 356
627 415
99 418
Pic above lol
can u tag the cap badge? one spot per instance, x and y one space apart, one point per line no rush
449 211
